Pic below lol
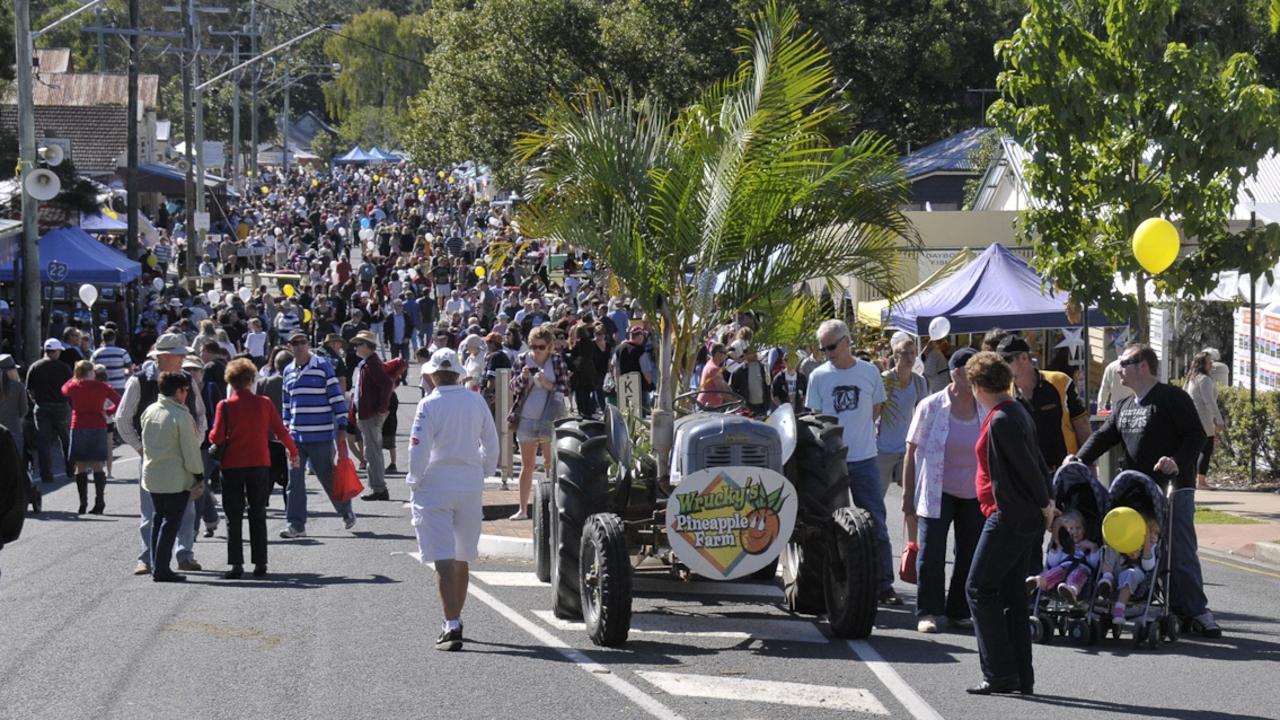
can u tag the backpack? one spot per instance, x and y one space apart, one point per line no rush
13 489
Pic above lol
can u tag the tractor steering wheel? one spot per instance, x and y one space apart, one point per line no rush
734 402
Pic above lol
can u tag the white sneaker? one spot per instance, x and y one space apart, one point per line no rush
927 624
289 533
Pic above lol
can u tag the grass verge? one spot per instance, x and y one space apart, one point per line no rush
1209 516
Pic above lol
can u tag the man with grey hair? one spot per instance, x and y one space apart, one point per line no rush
852 391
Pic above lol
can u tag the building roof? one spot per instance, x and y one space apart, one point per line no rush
52 60
1004 185
947 155
98 135
90 89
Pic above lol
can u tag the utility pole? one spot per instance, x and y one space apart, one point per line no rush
189 201
132 247
257 74
237 37
29 294
102 42
284 127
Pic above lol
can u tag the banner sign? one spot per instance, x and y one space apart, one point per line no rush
727 522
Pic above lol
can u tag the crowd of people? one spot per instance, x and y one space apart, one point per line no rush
315 295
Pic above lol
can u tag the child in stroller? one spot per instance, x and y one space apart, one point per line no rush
1133 570
1071 560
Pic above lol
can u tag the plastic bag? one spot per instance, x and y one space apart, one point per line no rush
907 569
346 484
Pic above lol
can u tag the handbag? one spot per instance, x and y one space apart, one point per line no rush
346 484
217 450
907 567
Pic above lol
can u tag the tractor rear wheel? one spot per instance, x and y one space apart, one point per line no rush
542 530
605 579
851 578
818 469
581 490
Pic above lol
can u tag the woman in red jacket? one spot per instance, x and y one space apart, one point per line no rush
242 425
89 448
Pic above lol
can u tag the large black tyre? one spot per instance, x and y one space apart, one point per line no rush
581 490
542 530
851 578
818 469
605 579
802 564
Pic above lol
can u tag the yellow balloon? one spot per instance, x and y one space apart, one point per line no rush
152 261
376 178
480 272
315 183
306 316
289 291
248 173
1124 529
265 190
450 179
440 174
417 180
1156 245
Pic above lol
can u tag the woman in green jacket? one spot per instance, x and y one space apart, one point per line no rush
171 467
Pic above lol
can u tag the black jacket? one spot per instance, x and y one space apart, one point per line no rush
13 489
1163 424
1019 475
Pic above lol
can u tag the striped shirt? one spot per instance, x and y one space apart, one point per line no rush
115 360
313 402
286 323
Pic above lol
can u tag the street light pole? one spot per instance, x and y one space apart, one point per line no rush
29 294
132 247
189 200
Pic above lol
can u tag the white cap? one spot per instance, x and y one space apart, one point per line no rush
1213 353
54 344
444 360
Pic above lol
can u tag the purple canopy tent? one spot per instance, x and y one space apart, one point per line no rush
997 289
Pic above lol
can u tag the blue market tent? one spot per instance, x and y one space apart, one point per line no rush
70 255
102 223
379 155
354 155
997 289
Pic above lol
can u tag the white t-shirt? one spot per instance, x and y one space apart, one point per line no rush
255 343
850 395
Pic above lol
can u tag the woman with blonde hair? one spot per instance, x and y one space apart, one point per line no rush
1204 393
89 449
539 385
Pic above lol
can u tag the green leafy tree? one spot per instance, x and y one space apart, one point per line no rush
371 51
742 190
1121 125
369 127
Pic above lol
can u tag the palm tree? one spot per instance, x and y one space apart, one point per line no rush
725 206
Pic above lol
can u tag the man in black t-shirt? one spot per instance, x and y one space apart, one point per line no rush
1160 433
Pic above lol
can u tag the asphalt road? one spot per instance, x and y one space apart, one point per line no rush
343 628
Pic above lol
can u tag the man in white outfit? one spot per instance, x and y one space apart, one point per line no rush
453 447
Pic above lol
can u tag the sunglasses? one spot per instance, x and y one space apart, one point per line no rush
834 345
1135 360
537 347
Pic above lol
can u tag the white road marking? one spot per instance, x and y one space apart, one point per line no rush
718 687
596 670
507 579
706 627
655 584
905 694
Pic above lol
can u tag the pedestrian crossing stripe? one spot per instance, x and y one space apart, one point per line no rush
507 579
738 629
717 687
646 584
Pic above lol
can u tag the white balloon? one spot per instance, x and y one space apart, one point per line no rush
245 293
366 234
88 295
213 296
939 328
899 337
158 283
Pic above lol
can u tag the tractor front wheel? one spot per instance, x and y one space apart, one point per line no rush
851 577
605 579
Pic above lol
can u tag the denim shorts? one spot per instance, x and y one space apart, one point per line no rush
535 430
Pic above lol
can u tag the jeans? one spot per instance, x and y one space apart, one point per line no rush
585 398
186 529
998 597
53 425
238 486
167 518
934 597
1186 591
401 349
375 461
320 455
864 483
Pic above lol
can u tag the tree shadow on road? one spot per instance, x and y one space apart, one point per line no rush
300 581
1141 711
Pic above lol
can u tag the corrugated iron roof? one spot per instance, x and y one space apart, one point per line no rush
947 155
90 89
98 135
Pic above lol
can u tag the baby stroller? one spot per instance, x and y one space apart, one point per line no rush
1074 488
1149 609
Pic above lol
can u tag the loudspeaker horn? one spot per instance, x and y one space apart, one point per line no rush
53 155
182 166
42 184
